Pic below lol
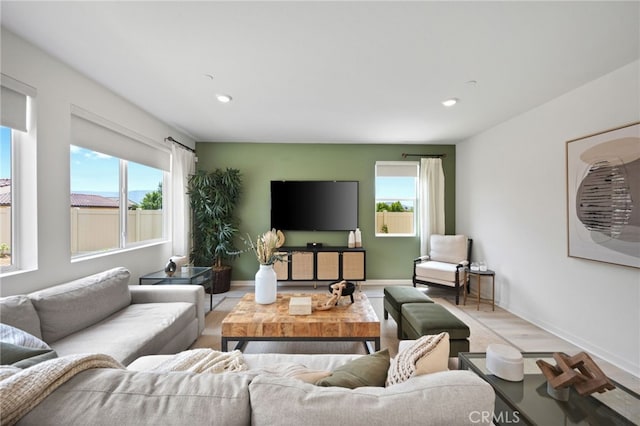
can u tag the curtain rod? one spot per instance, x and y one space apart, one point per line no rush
405 155
170 139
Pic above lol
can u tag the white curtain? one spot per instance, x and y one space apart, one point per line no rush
183 165
431 201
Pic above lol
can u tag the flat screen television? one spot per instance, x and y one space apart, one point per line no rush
314 205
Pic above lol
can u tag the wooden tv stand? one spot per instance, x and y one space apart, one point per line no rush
322 264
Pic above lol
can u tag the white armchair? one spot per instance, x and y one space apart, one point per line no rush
446 263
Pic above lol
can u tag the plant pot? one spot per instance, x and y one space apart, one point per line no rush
221 279
266 285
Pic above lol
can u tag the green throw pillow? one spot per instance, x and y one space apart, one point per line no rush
369 370
22 356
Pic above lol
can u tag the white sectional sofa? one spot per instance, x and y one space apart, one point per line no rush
101 313
138 396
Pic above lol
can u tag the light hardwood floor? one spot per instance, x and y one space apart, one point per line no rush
521 334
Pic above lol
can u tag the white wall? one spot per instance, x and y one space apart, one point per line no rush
59 86
511 199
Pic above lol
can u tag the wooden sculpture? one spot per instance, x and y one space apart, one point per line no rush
587 379
335 296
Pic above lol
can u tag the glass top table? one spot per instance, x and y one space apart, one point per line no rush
527 402
195 275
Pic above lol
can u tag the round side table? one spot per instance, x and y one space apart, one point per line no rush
479 275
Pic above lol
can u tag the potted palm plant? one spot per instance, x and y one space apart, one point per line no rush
214 196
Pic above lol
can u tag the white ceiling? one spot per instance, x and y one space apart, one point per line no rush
357 72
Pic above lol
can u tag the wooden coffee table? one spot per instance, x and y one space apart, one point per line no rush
250 321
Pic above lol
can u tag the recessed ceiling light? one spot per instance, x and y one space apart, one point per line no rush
209 76
450 102
223 98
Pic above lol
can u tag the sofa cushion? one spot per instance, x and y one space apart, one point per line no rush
67 308
369 370
110 397
446 398
139 329
448 248
438 271
18 311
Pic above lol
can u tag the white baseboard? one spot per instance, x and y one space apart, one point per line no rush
251 283
388 282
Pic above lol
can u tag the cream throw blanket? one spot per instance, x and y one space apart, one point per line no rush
204 361
21 390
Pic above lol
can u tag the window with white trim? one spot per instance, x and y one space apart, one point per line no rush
117 187
18 198
396 186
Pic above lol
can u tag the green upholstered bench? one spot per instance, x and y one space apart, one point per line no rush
421 319
396 296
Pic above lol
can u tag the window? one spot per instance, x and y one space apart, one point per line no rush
6 199
95 205
18 196
144 219
98 223
117 187
396 184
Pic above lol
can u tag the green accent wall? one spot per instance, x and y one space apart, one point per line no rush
260 163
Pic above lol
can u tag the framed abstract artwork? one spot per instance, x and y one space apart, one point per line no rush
603 196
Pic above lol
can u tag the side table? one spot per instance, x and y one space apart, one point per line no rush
196 275
528 403
479 275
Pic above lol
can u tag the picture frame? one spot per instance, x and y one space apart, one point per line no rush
603 196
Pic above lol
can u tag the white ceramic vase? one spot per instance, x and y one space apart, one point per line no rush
266 285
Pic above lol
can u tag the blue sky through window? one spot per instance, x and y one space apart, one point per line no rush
395 187
93 172
143 178
5 153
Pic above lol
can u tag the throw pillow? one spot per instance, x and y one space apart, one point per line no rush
368 370
23 356
18 311
436 360
428 354
19 337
